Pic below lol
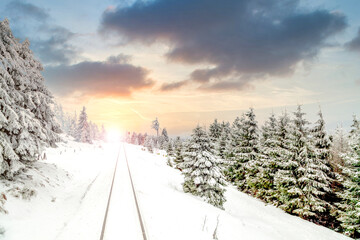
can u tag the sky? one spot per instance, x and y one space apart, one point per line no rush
188 62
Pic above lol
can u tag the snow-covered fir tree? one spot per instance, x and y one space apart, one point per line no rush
60 117
311 177
215 131
83 130
232 149
247 160
27 121
103 133
285 182
149 143
221 146
170 152
133 138
270 157
325 174
203 176
339 147
165 134
179 147
350 206
156 125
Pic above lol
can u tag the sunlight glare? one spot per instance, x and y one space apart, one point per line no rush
113 135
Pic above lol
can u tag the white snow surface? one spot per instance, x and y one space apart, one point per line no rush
73 186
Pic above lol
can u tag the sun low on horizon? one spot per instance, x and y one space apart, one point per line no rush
186 66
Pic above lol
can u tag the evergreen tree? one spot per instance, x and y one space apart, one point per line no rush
60 116
339 147
133 138
149 143
201 169
325 175
286 187
270 149
156 125
222 145
350 206
83 131
103 133
73 125
215 131
165 134
232 148
178 153
247 156
170 153
27 121
310 174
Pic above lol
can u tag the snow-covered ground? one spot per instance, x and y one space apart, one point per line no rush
72 187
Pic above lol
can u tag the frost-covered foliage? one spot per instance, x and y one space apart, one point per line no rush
201 168
312 181
246 158
27 122
156 125
215 131
83 128
288 164
150 143
350 206
270 158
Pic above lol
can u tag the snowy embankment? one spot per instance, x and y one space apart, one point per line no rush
69 186
73 185
171 214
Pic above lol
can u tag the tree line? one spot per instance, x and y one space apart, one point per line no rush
80 128
287 162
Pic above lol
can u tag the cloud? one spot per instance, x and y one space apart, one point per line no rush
257 39
22 10
56 49
172 86
97 78
50 42
354 45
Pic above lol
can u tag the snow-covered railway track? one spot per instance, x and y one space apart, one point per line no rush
123 217
136 199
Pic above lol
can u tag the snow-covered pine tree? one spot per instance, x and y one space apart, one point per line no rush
201 169
156 125
248 157
350 206
215 131
103 133
222 143
286 188
170 148
72 125
232 149
60 116
133 138
149 143
270 157
27 121
310 174
225 126
179 147
170 152
339 147
165 134
140 139
323 174
83 130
